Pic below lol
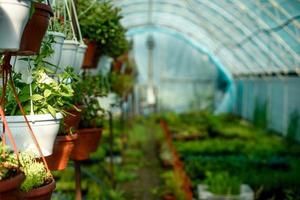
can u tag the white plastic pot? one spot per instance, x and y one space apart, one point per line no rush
246 193
14 15
68 54
79 57
56 46
44 126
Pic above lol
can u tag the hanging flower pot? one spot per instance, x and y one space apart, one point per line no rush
62 149
44 126
35 29
79 57
91 56
56 46
14 15
41 193
9 188
87 142
68 53
72 120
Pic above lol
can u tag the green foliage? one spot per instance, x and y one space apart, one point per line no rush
293 126
222 183
260 117
100 22
8 163
121 84
35 172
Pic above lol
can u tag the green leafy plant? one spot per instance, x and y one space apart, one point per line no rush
222 183
35 172
49 92
8 163
100 22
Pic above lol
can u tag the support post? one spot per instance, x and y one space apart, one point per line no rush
78 195
111 145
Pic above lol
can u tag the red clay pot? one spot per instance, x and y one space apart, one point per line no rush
86 143
35 29
9 189
91 56
62 149
72 120
41 193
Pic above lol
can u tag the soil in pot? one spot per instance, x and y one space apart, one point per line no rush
41 193
87 142
35 29
62 149
91 56
9 188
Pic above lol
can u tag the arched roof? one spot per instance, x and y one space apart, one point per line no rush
247 36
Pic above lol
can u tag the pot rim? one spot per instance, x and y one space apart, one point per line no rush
26 3
68 137
41 190
33 118
18 179
75 42
44 7
56 34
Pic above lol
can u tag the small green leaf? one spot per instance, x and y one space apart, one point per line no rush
51 110
47 93
37 97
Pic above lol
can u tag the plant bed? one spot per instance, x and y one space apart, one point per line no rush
246 193
63 147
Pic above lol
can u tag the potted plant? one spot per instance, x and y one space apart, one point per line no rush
67 135
43 98
102 30
220 185
35 28
14 17
90 130
11 175
39 183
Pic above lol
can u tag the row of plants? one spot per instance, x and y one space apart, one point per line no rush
232 152
54 113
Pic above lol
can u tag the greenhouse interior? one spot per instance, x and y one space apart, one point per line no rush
150 99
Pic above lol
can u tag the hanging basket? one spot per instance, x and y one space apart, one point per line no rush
14 15
86 143
79 57
68 53
56 46
44 126
41 193
35 29
72 120
9 189
91 56
61 152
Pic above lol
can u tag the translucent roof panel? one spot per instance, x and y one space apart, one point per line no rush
247 37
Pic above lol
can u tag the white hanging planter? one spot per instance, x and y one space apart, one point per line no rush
14 15
79 57
245 194
56 46
44 126
68 54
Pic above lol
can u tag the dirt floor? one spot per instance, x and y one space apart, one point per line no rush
146 185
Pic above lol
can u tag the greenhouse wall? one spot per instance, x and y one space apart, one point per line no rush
271 102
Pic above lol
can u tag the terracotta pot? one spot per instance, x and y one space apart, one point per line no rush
87 142
41 193
91 56
9 189
35 29
63 147
72 120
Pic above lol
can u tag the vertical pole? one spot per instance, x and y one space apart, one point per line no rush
111 145
78 195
